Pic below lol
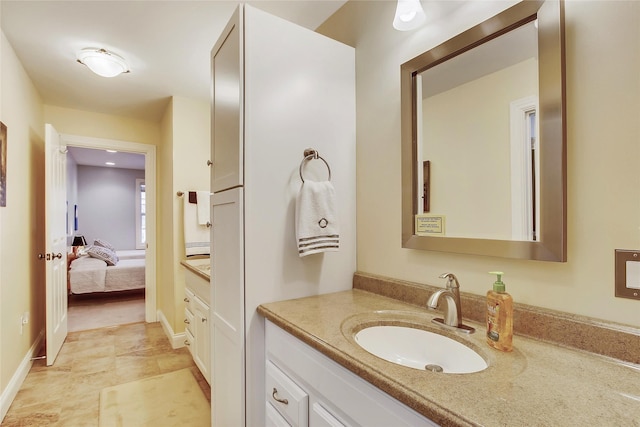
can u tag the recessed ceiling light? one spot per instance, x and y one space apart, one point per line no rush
102 62
111 151
109 163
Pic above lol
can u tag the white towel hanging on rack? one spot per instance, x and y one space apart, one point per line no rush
203 202
317 228
196 236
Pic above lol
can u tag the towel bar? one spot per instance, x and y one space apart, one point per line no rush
311 154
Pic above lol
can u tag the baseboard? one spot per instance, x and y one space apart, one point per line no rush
10 392
176 340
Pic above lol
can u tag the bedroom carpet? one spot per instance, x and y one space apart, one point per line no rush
146 402
67 394
91 312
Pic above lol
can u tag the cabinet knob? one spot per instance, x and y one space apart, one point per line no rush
204 319
209 162
186 299
186 321
186 342
277 399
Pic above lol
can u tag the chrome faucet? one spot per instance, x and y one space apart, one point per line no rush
453 309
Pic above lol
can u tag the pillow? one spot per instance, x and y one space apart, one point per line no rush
104 244
107 255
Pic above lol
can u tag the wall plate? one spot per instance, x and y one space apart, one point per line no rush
627 265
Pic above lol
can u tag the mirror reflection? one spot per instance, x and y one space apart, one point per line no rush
478 162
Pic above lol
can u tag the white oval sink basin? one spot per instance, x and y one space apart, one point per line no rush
419 349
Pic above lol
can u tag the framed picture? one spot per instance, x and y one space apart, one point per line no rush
3 165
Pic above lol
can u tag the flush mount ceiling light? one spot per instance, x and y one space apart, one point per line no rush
102 62
409 15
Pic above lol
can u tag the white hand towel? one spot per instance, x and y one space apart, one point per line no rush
317 228
196 236
203 202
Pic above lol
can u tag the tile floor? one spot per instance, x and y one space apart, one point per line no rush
67 394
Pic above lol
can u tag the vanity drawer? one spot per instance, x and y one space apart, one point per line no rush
188 320
286 396
188 299
189 341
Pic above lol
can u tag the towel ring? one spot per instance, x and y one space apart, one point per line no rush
311 154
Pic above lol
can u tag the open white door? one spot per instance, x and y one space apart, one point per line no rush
56 242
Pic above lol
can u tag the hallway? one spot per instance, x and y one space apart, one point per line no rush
68 393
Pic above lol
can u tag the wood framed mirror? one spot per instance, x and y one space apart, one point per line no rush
496 188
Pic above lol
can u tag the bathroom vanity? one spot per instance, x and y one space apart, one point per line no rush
305 388
536 384
196 313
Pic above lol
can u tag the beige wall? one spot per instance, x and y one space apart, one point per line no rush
98 125
165 239
603 111
22 220
191 150
183 161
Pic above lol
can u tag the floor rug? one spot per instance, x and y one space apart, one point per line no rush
172 399
97 311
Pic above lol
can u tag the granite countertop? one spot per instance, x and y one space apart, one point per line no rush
199 266
537 384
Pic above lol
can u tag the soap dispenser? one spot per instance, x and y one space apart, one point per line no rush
499 316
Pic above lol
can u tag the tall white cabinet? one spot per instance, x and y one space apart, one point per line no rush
277 89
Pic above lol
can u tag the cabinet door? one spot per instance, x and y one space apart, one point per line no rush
226 120
227 303
201 332
320 417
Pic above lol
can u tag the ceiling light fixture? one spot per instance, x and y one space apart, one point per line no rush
109 163
111 151
102 62
409 15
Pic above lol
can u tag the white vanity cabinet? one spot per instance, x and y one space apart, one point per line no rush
334 395
196 319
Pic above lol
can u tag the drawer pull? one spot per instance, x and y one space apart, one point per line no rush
186 299
187 321
285 401
186 342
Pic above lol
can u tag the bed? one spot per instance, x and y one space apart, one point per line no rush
88 274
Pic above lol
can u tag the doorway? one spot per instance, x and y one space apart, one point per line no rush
149 152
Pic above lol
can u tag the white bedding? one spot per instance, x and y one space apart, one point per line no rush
88 274
126 274
131 254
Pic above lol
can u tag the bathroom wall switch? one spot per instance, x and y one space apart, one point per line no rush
627 265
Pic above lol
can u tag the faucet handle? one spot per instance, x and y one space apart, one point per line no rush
452 280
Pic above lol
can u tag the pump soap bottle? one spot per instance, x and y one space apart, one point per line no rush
499 316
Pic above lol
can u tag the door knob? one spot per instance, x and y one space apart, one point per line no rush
58 255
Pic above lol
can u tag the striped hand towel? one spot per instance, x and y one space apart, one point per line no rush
317 227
